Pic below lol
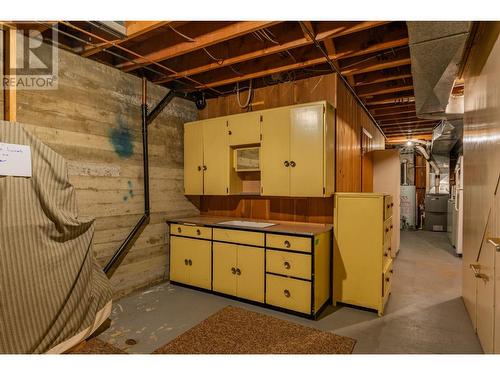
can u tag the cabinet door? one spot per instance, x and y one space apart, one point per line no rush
179 259
275 153
224 267
307 151
193 159
250 273
200 263
215 157
244 129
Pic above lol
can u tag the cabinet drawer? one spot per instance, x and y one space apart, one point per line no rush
288 264
387 279
194 231
288 242
388 205
239 236
386 254
288 293
387 231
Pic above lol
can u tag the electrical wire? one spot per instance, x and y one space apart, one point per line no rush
218 61
188 38
249 97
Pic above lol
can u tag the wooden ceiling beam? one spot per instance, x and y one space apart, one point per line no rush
382 79
307 29
231 31
401 101
413 122
380 91
382 115
134 29
301 42
377 66
350 29
401 116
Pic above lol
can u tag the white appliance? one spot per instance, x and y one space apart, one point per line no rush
458 222
407 206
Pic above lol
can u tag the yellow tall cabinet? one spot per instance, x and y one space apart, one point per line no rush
297 150
362 263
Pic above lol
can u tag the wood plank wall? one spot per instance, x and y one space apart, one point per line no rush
351 119
93 120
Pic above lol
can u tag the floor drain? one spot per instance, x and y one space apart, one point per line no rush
130 342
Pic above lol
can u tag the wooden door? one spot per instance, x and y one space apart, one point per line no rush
193 159
275 153
485 297
215 157
307 151
224 268
244 129
250 275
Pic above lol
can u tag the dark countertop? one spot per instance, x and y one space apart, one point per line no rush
285 227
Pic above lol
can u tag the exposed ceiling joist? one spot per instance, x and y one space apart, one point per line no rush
220 35
387 90
365 68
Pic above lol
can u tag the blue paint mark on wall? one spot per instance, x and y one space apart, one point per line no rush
121 139
130 192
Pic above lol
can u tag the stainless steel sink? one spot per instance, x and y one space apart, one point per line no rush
250 224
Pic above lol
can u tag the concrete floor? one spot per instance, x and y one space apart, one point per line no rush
425 313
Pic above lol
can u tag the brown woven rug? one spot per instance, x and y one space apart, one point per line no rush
237 331
95 346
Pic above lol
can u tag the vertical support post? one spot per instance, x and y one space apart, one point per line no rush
9 65
144 108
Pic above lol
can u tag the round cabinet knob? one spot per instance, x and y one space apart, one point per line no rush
179 229
292 164
286 163
287 243
198 232
386 230
238 272
391 271
286 292
387 279
392 204
388 206
386 254
204 167
286 265
233 270
391 226
186 262
190 262
229 132
199 167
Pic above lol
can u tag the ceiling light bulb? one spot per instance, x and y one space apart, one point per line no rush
409 143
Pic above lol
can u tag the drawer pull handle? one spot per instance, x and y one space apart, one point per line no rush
287 243
292 164
386 254
229 132
190 262
391 271
199 167
286 292
392 204
286 163
287 265
386 230
233 270
391 226
204 167
198 232
387 279
179 229
476 268
495 242
186 262
388 206
238 272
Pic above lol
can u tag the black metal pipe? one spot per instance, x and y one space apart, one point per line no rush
160 106
145 159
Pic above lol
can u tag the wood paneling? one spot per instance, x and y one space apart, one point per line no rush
351 119
93 120
481 149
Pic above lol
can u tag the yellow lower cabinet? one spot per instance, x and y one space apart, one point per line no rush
288 293
250 273
190 261
224 268
239 270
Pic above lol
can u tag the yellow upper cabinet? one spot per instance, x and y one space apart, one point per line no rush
275 152
193 158
244 129
298 151
215 157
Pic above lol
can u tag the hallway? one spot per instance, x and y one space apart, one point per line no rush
425 313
